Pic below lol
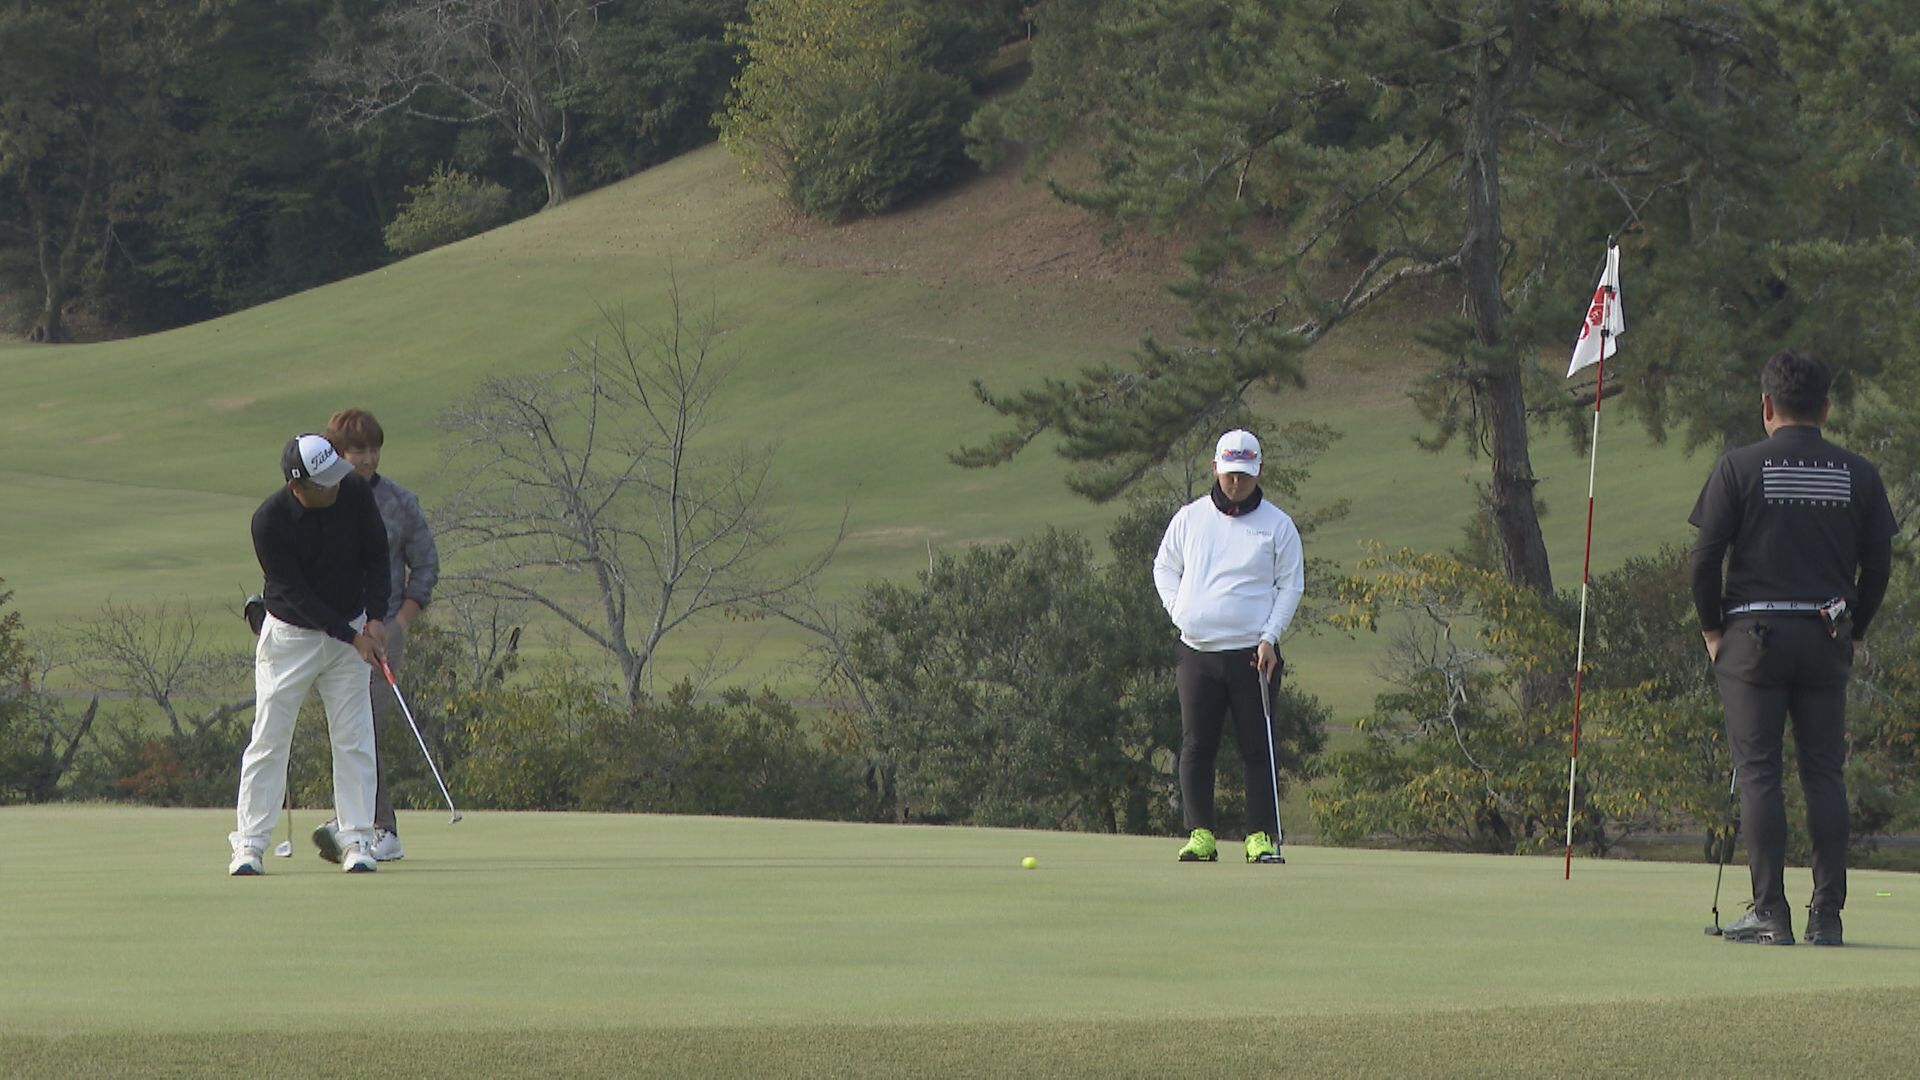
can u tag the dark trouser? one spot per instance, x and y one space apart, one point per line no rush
1771 667
385 712
1213 685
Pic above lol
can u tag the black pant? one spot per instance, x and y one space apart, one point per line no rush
386 712
1213 685
1771 667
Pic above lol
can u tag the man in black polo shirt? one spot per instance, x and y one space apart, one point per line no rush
323 549
1809 531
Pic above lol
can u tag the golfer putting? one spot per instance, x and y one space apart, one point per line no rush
323 551
1230 575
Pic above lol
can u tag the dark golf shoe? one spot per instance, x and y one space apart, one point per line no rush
1823 927
328 842
1758 927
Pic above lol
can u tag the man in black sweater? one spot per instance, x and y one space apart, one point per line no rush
1806 531
323 550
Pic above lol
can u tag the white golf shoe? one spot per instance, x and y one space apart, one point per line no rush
246 863
357 860
386 846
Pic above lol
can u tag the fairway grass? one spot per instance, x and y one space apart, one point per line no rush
570 944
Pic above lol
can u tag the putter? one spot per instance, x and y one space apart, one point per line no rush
285 848
428 754
1726 851
1266 709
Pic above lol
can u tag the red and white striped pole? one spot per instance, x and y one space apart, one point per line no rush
1586 572
1602 315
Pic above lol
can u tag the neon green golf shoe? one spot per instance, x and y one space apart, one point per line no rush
1200 847
1262 849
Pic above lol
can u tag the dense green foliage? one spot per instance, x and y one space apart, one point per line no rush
887 144
1321 161
450 206
1025 685
16 748
850 106
1452 761
160 160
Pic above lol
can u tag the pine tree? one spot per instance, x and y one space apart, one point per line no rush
1330 158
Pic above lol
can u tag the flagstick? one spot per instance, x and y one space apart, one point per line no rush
1586 568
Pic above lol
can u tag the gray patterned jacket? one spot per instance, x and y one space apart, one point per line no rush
413 561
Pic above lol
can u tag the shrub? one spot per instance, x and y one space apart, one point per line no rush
527 747
747 755
838 104
451 205
895 140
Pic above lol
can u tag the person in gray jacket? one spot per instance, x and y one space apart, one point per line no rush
414 565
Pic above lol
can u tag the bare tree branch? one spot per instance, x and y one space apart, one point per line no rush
594 495
156 654
512 64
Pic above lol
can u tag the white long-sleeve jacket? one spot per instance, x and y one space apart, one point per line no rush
1230 582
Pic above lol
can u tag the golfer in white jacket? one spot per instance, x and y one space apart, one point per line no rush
1229 575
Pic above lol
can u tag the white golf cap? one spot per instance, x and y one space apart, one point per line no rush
1238 451
312 457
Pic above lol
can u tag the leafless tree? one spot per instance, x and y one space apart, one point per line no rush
512 64
159 654
593 494
487 627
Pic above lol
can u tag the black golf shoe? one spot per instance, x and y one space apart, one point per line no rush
1823 927
1758 927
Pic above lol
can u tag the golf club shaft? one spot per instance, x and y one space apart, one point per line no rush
1273 764
421 739
284 849
1726 847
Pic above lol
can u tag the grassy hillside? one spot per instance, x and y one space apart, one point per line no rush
563 944
129 469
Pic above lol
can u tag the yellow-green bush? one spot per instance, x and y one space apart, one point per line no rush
451 205
838 105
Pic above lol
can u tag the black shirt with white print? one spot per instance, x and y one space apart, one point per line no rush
1805 521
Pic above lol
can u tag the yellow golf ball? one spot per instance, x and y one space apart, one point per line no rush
1029 863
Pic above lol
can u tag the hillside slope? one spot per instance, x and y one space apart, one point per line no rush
129 469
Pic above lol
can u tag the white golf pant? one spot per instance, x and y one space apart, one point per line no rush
287 662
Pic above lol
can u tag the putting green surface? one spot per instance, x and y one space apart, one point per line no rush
566 943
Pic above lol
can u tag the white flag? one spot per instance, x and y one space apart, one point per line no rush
1604 322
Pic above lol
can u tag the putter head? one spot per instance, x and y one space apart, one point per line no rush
457 815
284 850
1713 931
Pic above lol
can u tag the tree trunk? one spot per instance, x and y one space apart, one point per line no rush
1515 520
556 183
50 327
1503 403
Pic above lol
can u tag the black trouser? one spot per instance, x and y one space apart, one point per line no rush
385 712
1771 667
1213 685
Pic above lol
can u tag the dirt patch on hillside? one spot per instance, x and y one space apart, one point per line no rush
998 228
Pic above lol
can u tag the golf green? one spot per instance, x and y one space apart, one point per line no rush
569 943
